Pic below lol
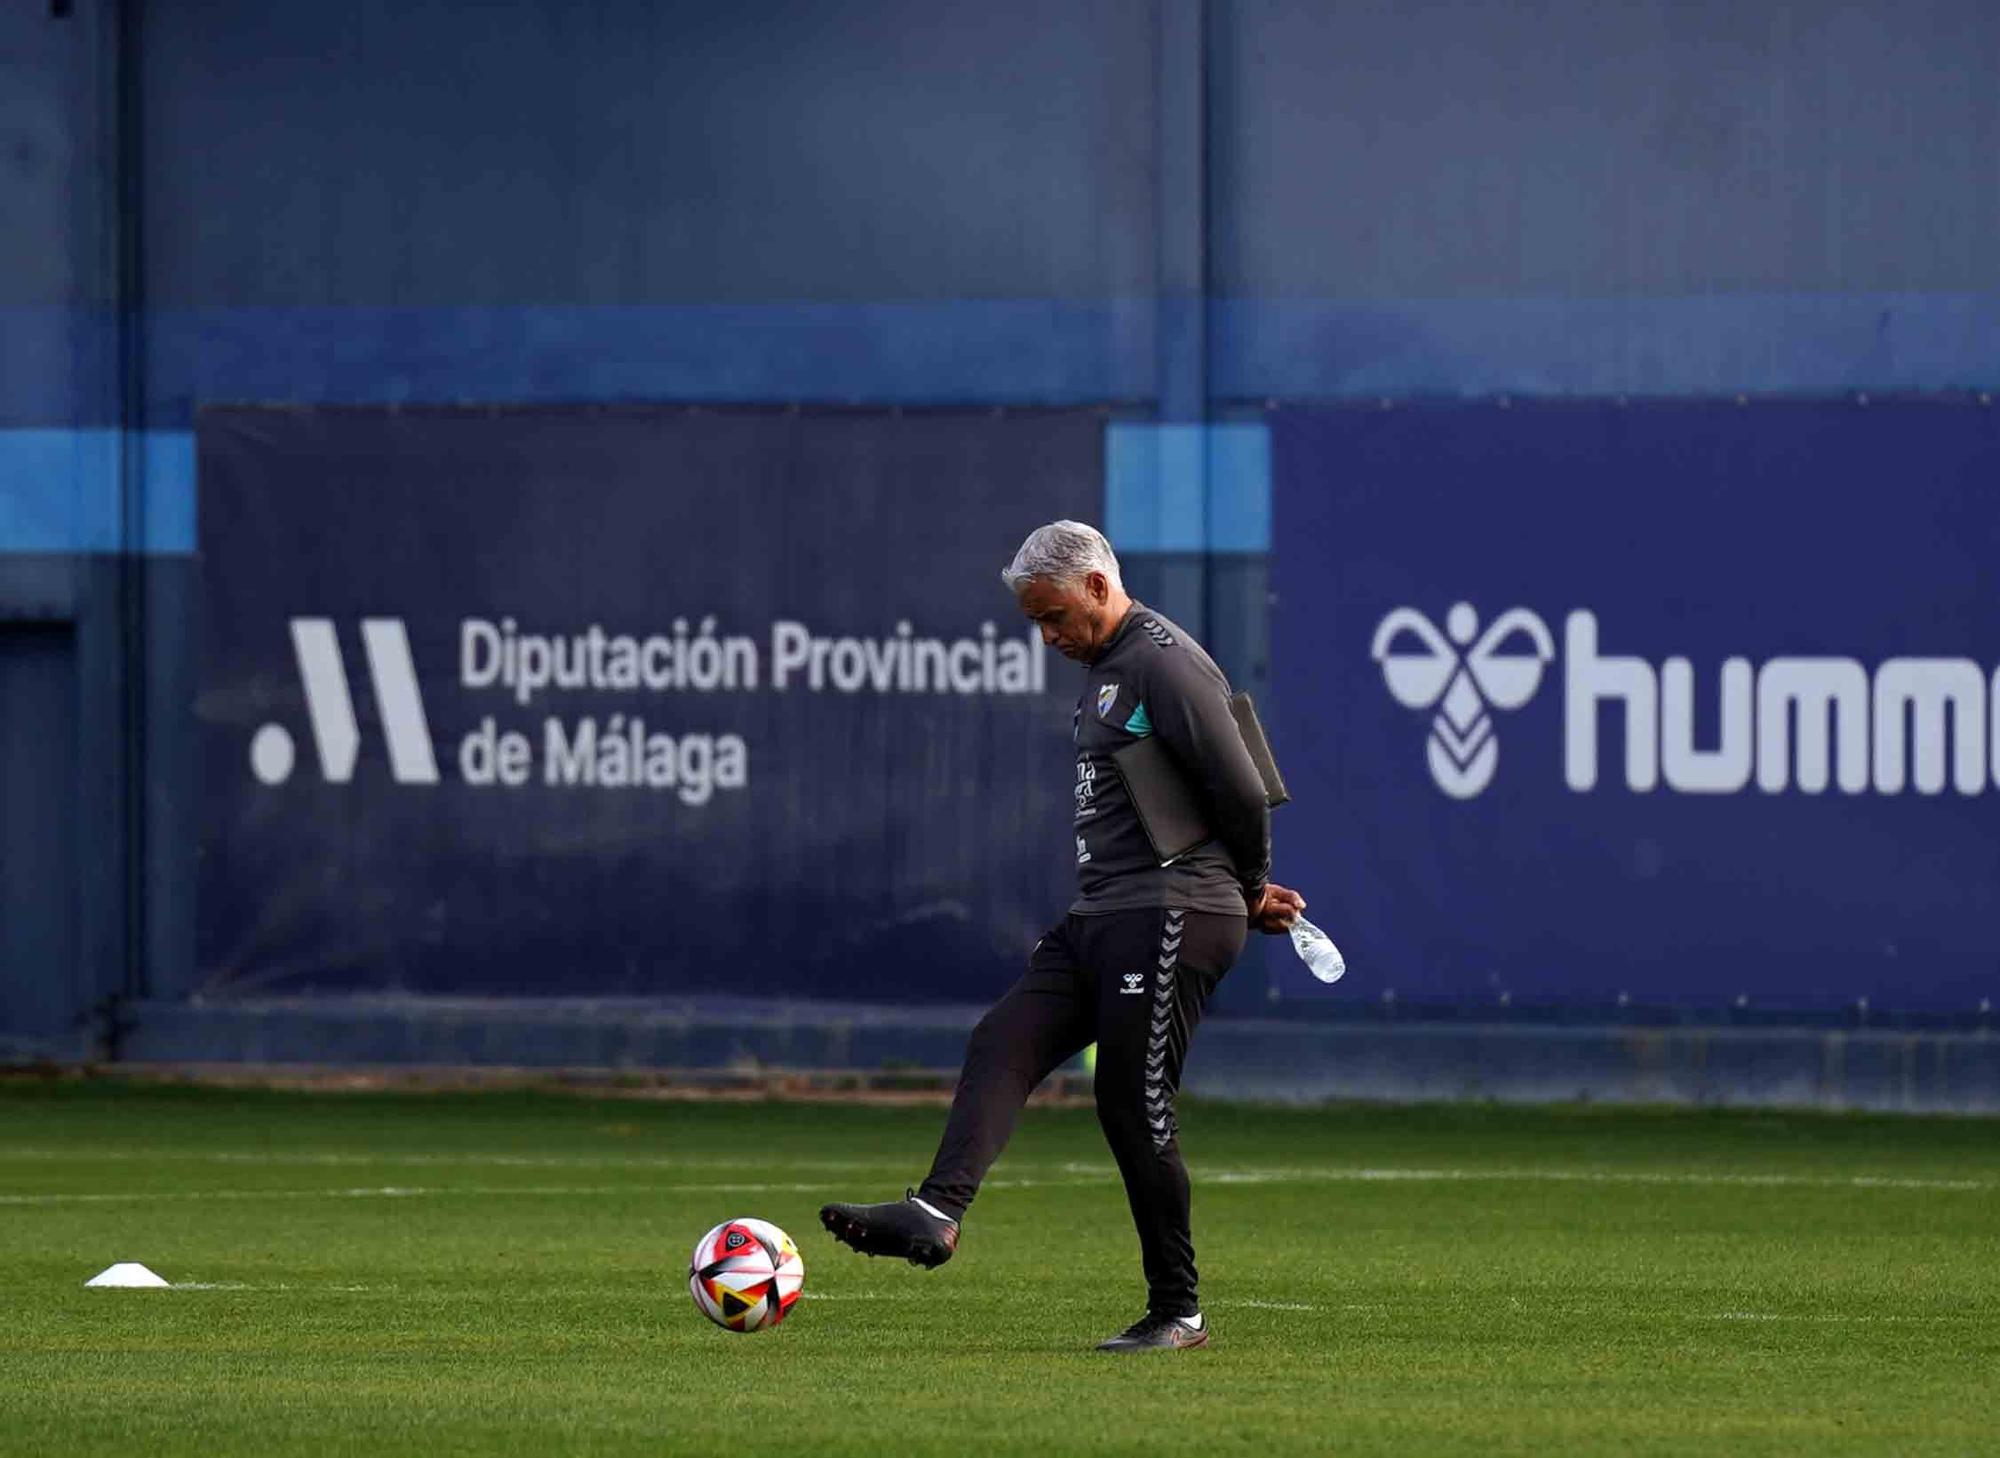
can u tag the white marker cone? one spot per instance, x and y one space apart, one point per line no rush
125 1273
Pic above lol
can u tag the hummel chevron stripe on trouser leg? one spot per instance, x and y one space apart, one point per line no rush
1166 1034
1141 1045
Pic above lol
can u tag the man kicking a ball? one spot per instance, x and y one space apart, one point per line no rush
1133 963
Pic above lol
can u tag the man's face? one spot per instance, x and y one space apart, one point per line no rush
1071 615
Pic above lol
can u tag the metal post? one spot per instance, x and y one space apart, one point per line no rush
128 194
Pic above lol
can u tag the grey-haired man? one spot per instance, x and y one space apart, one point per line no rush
1132 965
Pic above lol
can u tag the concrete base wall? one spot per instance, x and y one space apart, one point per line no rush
1723 1067
1234 1059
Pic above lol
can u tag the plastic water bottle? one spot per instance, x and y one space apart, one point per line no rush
1317 951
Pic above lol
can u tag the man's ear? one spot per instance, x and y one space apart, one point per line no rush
1098 586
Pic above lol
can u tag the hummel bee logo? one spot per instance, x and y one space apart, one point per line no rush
1501 670
1135 983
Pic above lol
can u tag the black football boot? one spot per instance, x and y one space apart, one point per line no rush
918 1232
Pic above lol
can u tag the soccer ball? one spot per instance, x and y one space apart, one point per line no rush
745 1275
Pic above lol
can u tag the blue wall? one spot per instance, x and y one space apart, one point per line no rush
1178 209
1692 197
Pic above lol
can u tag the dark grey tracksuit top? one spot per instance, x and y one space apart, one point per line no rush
1151 678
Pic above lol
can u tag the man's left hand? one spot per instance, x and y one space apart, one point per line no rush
1278 909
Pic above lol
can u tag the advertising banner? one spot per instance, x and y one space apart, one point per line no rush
1661 704
629 702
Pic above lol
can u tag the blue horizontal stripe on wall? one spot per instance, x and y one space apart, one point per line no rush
58 366
1002 351
1187 488
1723 344
60 492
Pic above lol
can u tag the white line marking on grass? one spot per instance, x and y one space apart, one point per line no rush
1239 1303
918 1296
377 1192
374 1192
414 1192
1584 1177
248 1286
114 1154
1078 1175
855 1296
1937 1320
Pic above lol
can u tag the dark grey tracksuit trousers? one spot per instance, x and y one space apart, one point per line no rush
1135 983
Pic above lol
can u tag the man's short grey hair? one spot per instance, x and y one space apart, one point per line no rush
1063 552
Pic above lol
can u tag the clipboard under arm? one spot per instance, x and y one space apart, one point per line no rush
1168 809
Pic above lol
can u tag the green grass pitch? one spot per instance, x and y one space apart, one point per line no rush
505 1272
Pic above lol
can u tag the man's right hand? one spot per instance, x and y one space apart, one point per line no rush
1279 907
